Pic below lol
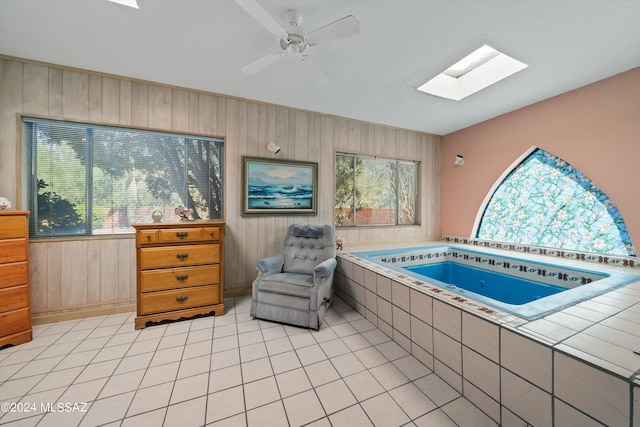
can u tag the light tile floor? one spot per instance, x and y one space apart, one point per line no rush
229 370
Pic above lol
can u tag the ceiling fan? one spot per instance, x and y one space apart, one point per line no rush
294 41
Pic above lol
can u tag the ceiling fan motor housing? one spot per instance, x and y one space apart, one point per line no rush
294 43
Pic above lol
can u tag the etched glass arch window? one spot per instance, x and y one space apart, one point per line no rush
544 201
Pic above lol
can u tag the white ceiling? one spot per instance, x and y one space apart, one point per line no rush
202 44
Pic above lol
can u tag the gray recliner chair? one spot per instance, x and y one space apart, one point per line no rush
296 286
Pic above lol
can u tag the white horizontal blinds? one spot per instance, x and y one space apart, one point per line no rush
204 181
58 179
135 173
125 175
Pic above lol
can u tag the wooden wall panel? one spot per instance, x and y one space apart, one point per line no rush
34 101
180 110
110 100
38 276
159 107
93 270
124 269
106 267
193 112
95 99
75 95
125 102
109 274
73 285
53 284
55 92
207 114
10 104
139 104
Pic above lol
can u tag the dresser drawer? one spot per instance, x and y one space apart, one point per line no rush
186 234
147 237
14 298
13 227
13 250
211 233
14 321
158 302
178 256
16 273
157 280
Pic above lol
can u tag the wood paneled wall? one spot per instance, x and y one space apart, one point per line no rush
85 273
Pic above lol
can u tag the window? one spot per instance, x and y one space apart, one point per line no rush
375 191
546 202
90 180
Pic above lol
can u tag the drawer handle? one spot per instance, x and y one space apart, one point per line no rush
148 238
182 299
182 235
182 257
182 277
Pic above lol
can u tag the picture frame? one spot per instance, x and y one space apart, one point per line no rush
279 187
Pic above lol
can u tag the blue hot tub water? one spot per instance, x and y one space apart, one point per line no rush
479 275
500 287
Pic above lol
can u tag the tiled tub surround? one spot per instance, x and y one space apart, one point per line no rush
573 367
579 284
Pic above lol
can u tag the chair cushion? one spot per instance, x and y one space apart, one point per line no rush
303 251
295 284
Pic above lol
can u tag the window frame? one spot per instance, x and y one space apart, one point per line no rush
30 175
396 161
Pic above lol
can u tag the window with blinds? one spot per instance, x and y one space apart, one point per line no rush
373 191
96 180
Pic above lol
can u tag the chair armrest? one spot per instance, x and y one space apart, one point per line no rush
270 264
325 268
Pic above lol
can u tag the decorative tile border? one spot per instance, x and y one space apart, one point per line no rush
617 261
547 274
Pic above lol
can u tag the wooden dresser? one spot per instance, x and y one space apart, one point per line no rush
180 270
15 306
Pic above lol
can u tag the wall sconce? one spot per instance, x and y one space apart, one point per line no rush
273 148
459 161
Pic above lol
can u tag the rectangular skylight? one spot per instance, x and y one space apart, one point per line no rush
483 67
130 3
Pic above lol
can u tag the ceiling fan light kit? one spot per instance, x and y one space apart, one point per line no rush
295 41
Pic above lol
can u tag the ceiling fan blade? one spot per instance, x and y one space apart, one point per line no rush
313 70
345 27
262 63
253 8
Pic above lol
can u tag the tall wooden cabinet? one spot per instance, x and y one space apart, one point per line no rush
180 270
15 306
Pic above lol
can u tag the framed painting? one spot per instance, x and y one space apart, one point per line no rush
279 187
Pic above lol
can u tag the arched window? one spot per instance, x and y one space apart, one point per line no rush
544 201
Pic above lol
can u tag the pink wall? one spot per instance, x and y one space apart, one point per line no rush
595 128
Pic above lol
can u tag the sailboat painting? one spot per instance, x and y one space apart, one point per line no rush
279 187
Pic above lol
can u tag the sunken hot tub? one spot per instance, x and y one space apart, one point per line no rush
519 286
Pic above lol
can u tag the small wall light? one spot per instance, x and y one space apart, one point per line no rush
273 148
459 161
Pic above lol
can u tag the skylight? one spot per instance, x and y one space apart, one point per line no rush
483 67
130 3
